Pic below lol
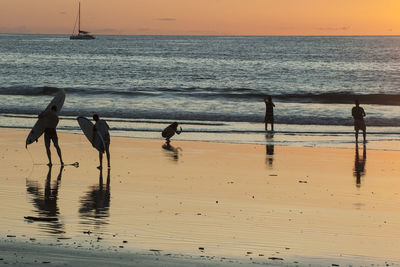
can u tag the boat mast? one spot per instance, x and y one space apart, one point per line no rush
79 20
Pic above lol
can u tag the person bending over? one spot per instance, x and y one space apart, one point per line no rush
170 131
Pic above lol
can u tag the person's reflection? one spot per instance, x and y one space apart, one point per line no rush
359 165
172 152
46 202
95 203
269 149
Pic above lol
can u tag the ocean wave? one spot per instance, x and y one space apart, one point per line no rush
139 120
48 90
28 91
212 93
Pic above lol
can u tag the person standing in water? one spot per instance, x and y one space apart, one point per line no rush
102 128
50 123
269 113
358 114
170 131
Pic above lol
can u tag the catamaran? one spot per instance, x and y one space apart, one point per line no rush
82 35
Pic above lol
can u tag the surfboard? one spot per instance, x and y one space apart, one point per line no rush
87 128
38 128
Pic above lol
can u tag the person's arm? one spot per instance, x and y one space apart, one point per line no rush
179 132
363 112
42 115
108 127
273 104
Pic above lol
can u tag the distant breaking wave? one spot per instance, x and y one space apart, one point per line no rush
224 93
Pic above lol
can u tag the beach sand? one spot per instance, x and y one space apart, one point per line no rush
198 203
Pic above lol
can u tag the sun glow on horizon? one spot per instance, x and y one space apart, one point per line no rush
206 17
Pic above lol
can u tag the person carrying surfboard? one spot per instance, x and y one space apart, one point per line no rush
170 131
102 128
269 113
358 114
51 121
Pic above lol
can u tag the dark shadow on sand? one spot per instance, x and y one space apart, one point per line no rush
45 202
359 164
173 153
270 150
95 204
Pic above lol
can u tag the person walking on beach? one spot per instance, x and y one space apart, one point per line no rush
50 123
170 131
102 128
358 114
269 113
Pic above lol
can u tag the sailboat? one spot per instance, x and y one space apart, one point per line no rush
82 35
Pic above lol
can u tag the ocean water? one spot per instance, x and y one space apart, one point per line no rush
213 85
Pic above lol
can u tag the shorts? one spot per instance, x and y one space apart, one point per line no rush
50 134
106 139
359 125
269 118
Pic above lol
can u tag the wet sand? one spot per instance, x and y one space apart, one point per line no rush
195 203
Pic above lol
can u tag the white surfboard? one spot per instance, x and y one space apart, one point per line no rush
87 128
38 128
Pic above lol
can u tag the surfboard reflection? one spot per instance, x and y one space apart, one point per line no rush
171 152
270 149
359 165
95 204
45 202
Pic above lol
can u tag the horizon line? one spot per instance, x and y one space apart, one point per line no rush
218 35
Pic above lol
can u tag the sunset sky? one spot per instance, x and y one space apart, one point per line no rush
204 17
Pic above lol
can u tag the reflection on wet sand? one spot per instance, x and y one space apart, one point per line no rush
359 165
171 151
46 202
269 160
95 204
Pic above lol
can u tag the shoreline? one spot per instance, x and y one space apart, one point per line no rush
236 133
236 201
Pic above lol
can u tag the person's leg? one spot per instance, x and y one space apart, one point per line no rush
47 145
365 136
55 142
272 125
357 136
108 154
100 160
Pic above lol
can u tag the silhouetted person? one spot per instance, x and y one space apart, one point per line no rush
359 165
170 131
50 123
102 128
269 113
175 150
358 114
